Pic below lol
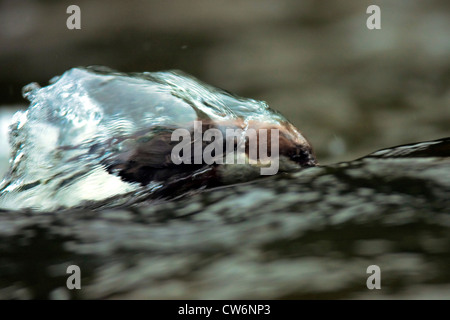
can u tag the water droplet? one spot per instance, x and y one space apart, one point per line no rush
54 79
30 90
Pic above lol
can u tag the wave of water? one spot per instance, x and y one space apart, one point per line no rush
86 115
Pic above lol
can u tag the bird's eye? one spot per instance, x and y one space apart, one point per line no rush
300 155
303 158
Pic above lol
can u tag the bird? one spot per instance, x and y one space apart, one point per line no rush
146 156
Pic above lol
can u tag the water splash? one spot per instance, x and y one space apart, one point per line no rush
58 144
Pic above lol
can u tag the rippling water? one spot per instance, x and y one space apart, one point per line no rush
311 233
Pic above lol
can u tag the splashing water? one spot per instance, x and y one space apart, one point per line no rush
55 162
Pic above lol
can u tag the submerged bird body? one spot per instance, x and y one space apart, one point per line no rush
146 156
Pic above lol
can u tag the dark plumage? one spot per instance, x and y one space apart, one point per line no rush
146 156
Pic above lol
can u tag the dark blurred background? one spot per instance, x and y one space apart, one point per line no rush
351 90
